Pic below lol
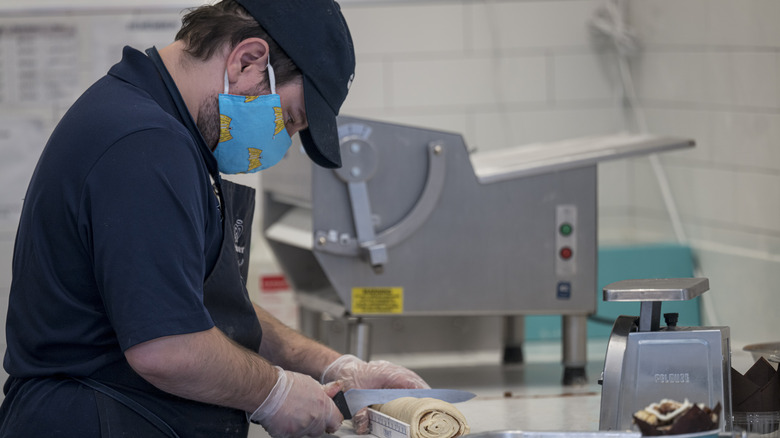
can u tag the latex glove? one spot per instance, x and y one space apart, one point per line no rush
377 374
298 406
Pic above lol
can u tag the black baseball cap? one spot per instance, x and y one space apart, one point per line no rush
315 36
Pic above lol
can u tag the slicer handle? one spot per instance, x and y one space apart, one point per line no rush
364 226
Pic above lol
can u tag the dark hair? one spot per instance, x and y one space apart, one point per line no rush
206 29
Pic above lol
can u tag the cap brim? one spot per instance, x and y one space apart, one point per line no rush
321 138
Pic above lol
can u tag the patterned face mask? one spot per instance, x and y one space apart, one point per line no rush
252 135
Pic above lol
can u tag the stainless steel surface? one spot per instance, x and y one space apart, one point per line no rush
460 260
359 338
682 364
612 373
405 227
649 316
358 399
646 363
533 159
412 213
514 336
573 345
664 289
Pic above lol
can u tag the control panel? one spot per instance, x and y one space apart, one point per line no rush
566 240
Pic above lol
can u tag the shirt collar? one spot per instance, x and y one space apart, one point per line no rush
149 73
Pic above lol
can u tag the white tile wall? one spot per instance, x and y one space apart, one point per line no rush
742 294
742 79
671 76
711 68
702 194
746 139
600 72
495 129
750 23
543 25
405 29
757 203
368 90
469 82
500 72
670 22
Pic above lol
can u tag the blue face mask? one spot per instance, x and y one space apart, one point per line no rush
252 135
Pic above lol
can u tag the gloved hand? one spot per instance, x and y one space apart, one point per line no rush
298 406
377 374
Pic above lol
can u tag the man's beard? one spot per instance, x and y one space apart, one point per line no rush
208 121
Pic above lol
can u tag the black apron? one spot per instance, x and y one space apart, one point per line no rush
128 406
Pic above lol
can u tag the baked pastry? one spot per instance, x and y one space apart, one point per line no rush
426 417
670 417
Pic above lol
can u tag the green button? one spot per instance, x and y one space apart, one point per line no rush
565 229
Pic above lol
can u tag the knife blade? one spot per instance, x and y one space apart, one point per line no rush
356 399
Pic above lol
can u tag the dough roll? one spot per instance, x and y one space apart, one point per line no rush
427 417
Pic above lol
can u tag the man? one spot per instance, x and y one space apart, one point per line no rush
128 313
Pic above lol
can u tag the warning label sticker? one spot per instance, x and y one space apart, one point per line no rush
367 300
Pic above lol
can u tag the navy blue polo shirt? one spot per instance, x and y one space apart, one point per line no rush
119 229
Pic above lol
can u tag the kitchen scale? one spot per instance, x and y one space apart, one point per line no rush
646 362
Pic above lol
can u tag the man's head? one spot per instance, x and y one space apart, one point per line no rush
308 43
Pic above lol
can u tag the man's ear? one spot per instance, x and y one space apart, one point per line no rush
247 63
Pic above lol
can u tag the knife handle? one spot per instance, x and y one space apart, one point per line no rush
341 403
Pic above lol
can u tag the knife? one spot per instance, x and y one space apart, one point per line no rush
356 399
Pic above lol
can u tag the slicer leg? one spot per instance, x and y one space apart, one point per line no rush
311 322
359 338
514 335
575 357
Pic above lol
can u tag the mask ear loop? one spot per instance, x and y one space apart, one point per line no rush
227 83
271 80
271 77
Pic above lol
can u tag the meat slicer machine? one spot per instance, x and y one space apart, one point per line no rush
413 224
646 362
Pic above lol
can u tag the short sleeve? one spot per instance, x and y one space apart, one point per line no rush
145 211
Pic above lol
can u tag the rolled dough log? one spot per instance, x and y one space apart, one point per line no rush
427 417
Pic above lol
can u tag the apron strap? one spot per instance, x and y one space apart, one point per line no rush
129 403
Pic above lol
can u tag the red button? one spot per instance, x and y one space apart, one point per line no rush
566 253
